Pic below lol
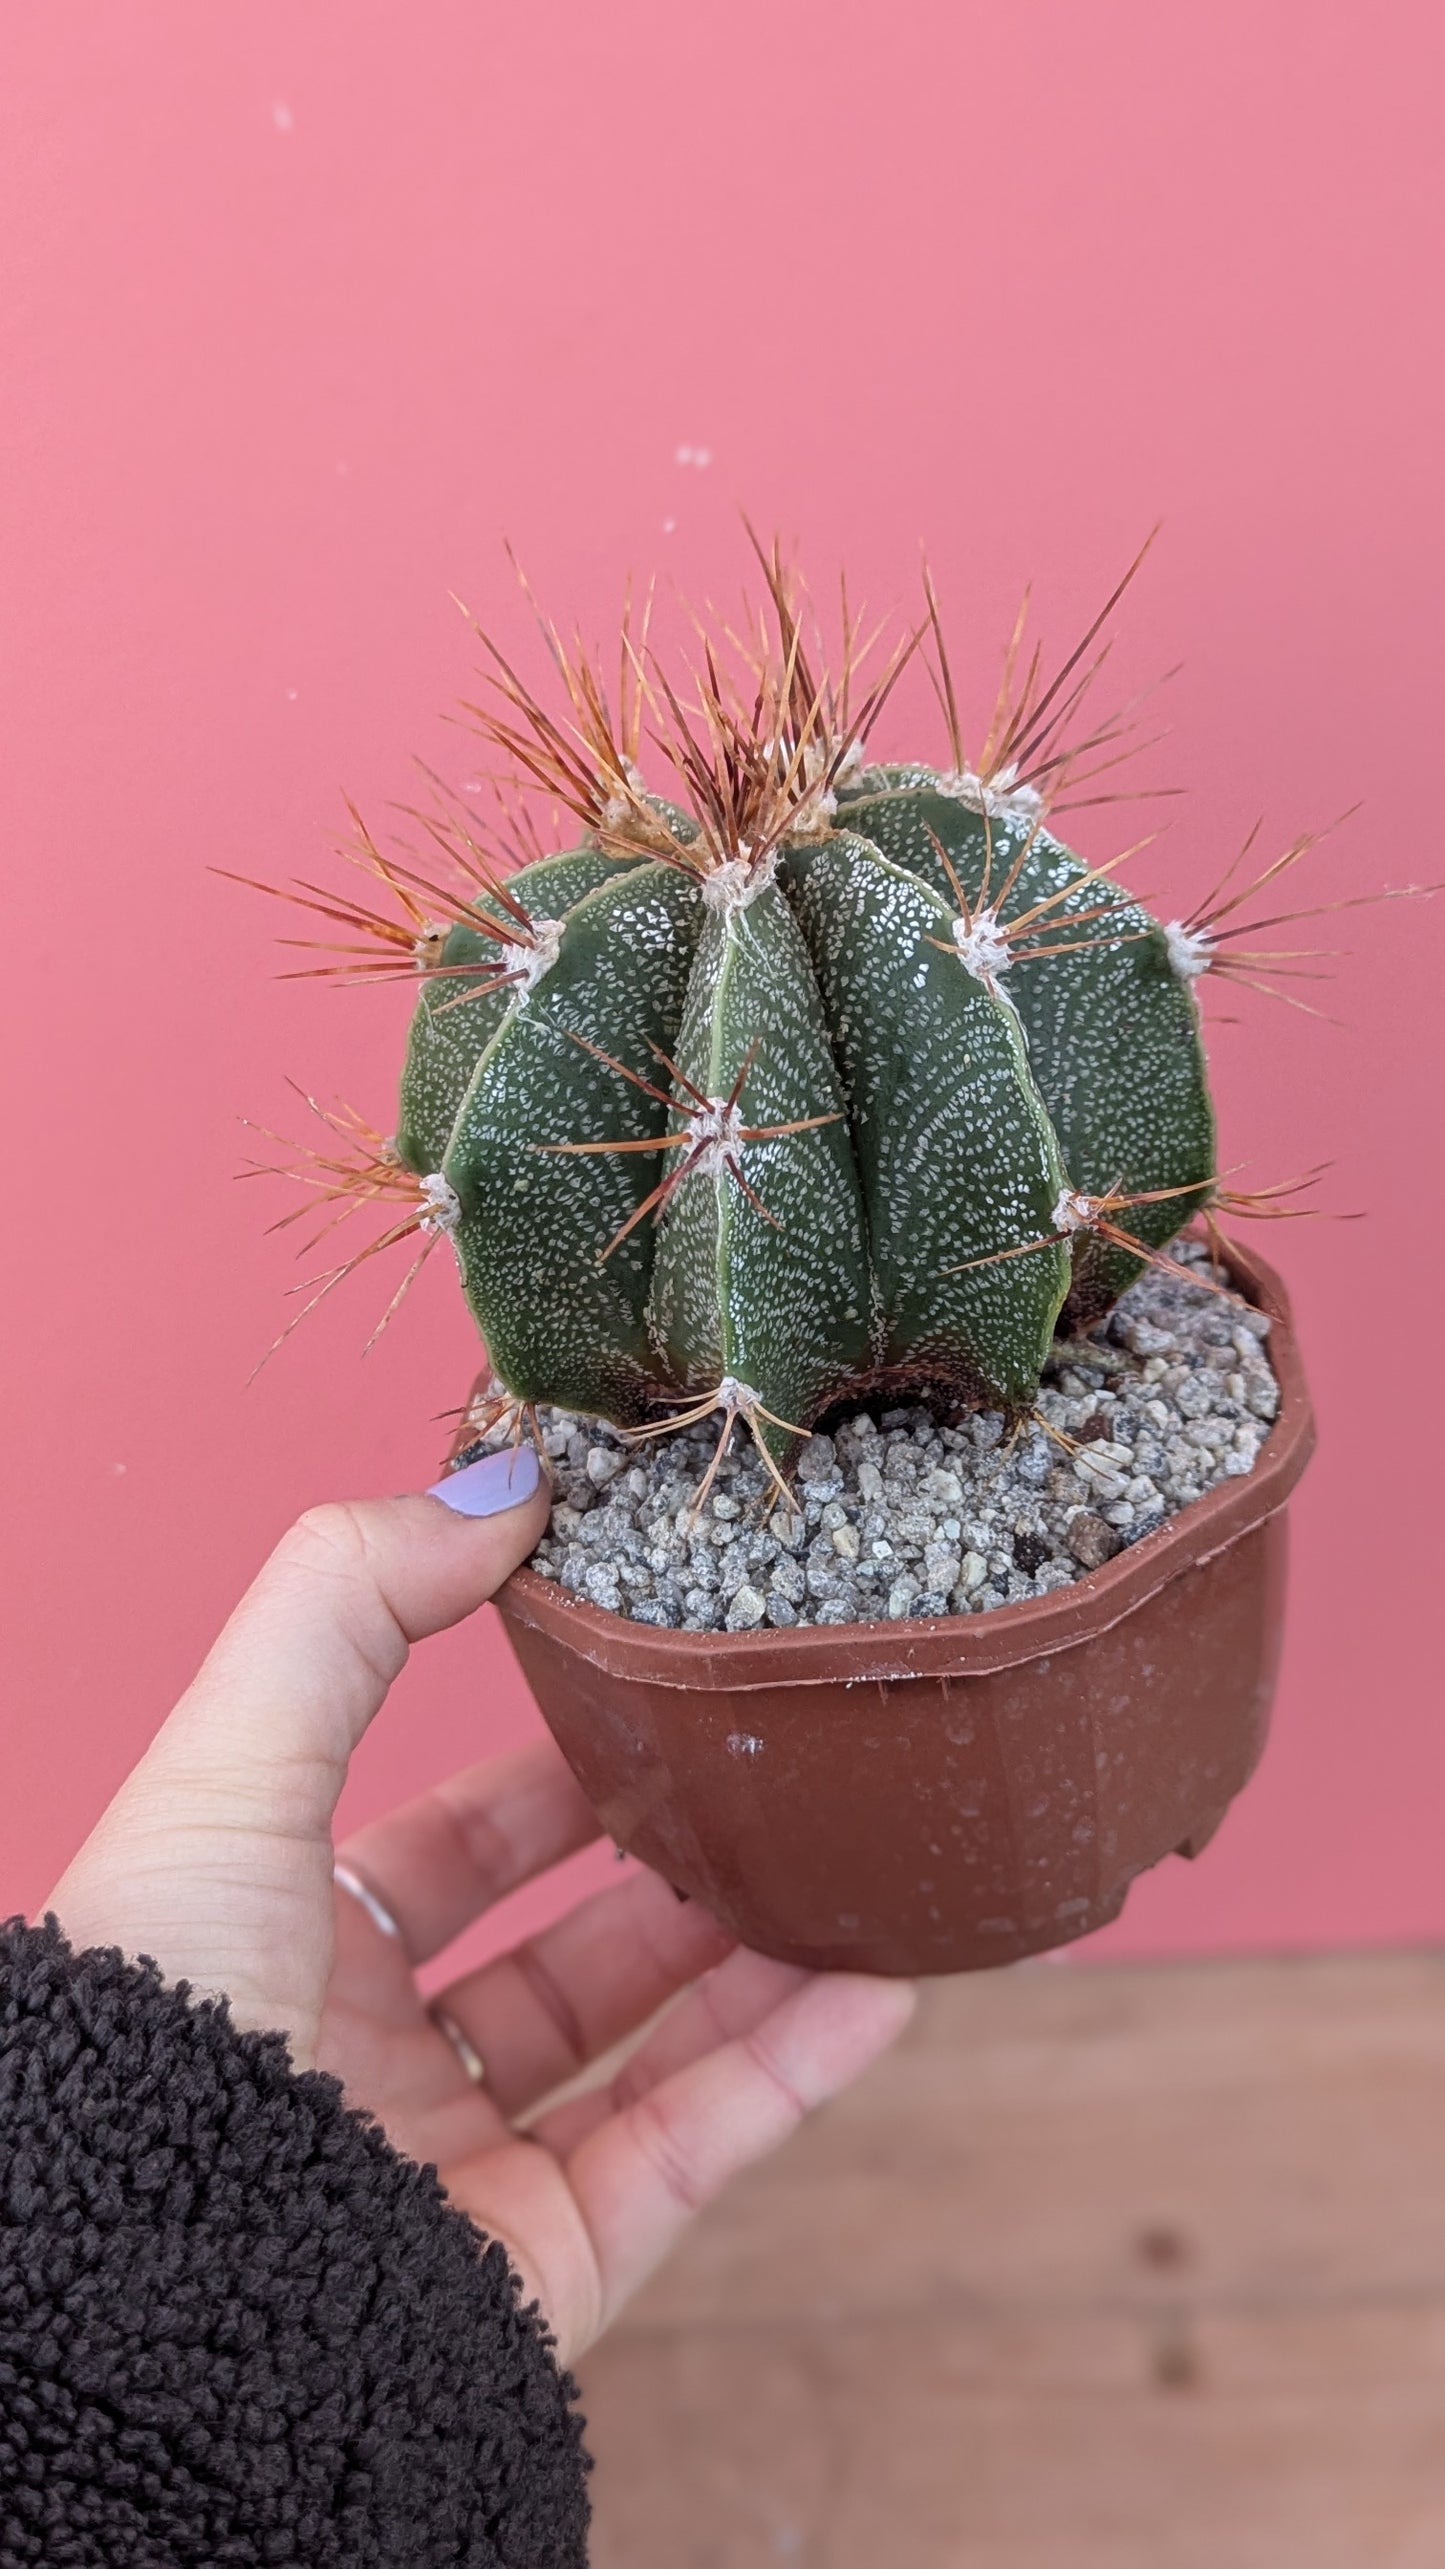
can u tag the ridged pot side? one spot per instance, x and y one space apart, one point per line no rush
946 1795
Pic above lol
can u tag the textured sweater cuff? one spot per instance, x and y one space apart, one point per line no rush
237 2325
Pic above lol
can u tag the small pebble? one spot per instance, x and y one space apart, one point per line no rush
1091 1541
815 1463
1195 1396
747 1609
1142 1337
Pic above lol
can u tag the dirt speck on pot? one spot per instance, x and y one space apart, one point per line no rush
899 1515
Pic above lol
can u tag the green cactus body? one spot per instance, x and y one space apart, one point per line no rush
1112 1028
762 1282
778 1135
563 1311
821 1080
457 1014
954 1152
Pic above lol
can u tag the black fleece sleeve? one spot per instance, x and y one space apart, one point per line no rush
236 2326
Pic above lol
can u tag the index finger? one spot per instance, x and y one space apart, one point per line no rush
646 2171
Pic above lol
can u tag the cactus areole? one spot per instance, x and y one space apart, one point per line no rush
816 1081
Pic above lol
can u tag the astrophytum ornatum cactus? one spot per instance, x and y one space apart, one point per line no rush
818 1080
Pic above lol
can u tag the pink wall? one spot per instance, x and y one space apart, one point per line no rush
305 309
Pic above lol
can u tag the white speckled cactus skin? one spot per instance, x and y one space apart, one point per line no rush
822 1080
819 1080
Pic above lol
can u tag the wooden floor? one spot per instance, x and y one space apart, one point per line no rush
1109 2268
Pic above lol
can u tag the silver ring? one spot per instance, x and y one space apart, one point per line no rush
466 2051
376 1909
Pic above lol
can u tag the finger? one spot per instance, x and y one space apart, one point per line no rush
725 2004
215 1856
439 1861
263 1736
537 2015
639 2179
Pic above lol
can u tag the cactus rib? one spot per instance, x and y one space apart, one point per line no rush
812 1079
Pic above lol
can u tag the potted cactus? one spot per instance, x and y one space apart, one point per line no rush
810 1086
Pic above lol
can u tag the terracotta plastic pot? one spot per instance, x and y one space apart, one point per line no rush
943 1795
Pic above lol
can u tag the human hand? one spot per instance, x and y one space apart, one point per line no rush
216 1859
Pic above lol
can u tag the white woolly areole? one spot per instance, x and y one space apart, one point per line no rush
815 759
821 756
539 957
619 806
1000 795
731 1394
734 885
427 944
816 808
444 1205
983 945
814 816
1074 1212
1191 950
716 1130
817 804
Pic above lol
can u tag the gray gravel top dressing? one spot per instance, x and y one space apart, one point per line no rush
897 1515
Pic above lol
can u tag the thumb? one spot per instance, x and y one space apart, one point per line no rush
246 1772
306 1660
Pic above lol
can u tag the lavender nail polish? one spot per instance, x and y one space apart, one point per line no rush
490 1486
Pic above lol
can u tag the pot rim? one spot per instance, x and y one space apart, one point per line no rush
955 1645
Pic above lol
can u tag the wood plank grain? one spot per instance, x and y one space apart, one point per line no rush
1107 2269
